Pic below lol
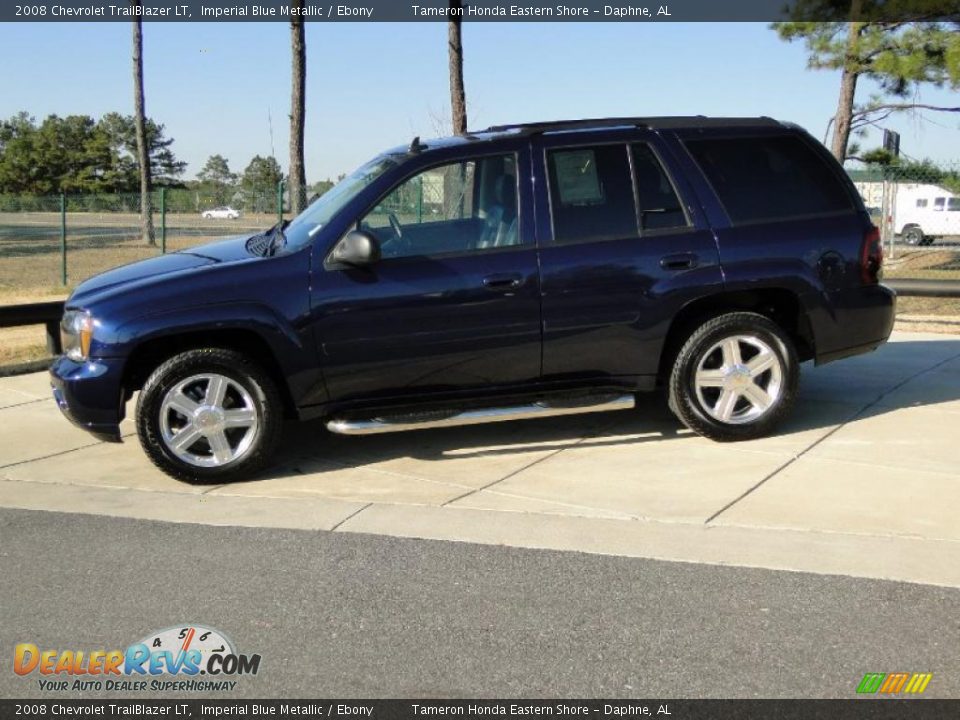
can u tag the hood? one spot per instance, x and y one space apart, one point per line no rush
142 271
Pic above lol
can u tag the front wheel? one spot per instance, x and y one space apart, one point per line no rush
735 378
209 415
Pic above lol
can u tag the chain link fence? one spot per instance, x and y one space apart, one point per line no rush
50 243
917 208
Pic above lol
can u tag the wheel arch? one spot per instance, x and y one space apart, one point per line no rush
780 305
148 355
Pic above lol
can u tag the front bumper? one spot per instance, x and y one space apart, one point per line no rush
90 394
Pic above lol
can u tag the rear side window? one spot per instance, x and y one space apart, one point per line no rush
659 206
769 178
591 193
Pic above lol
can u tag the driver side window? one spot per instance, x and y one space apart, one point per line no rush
454 208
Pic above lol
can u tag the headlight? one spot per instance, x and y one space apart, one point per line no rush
76 332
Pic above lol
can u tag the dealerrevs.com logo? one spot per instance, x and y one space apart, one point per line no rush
169 660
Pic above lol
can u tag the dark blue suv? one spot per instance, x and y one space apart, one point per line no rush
533 269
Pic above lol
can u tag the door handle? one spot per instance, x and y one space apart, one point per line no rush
680 261
503 281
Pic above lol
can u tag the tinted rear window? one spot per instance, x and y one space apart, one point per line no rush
591 193
769 178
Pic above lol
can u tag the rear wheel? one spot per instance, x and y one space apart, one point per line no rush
735 378
209 415
913 235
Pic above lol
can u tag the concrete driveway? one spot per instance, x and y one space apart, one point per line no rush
864 480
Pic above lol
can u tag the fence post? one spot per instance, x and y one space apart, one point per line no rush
63 238
163 220
280 201
420 201
886 213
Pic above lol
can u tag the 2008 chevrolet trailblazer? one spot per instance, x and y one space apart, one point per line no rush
527 269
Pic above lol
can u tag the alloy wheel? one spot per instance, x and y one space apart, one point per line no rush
208 420
738 379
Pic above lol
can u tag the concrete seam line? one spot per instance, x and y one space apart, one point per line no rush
529 465
816 442
212 488
51 455
347 465
350 517
21 404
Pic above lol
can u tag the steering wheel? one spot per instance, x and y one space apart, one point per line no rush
395 224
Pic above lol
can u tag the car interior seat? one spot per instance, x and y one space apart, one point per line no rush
500 223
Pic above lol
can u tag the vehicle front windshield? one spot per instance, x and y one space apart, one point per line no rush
308 223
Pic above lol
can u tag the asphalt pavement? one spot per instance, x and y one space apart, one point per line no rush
355 615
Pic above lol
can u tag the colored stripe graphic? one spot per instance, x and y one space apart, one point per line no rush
918 683
871 682
894 683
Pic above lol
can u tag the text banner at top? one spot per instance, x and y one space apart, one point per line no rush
478 11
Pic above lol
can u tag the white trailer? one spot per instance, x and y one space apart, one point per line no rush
923 212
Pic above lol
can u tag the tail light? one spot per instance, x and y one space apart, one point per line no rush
871 257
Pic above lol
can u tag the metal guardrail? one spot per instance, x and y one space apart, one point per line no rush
44 313
925 288
49 313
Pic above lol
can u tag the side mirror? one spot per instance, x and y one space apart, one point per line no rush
357 248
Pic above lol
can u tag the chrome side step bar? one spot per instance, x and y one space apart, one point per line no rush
422 421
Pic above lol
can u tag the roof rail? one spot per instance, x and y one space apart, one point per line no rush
693 121
541 127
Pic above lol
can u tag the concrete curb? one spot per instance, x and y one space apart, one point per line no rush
915 560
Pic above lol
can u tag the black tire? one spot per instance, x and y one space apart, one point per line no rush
687 405
261 391
913 235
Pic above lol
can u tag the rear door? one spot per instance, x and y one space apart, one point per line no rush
623 247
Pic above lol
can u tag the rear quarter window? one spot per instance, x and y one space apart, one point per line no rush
769 178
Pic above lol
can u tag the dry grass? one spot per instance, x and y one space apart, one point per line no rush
924 264
30 259
22 344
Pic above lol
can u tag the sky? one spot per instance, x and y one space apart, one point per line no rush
218 87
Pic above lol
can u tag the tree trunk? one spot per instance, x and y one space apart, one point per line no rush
848 90
458 97
844 116
143 150
298 47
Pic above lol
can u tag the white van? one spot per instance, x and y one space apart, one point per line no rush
925 212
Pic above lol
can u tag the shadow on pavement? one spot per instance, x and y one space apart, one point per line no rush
899 376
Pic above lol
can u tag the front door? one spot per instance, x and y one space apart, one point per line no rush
454 303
